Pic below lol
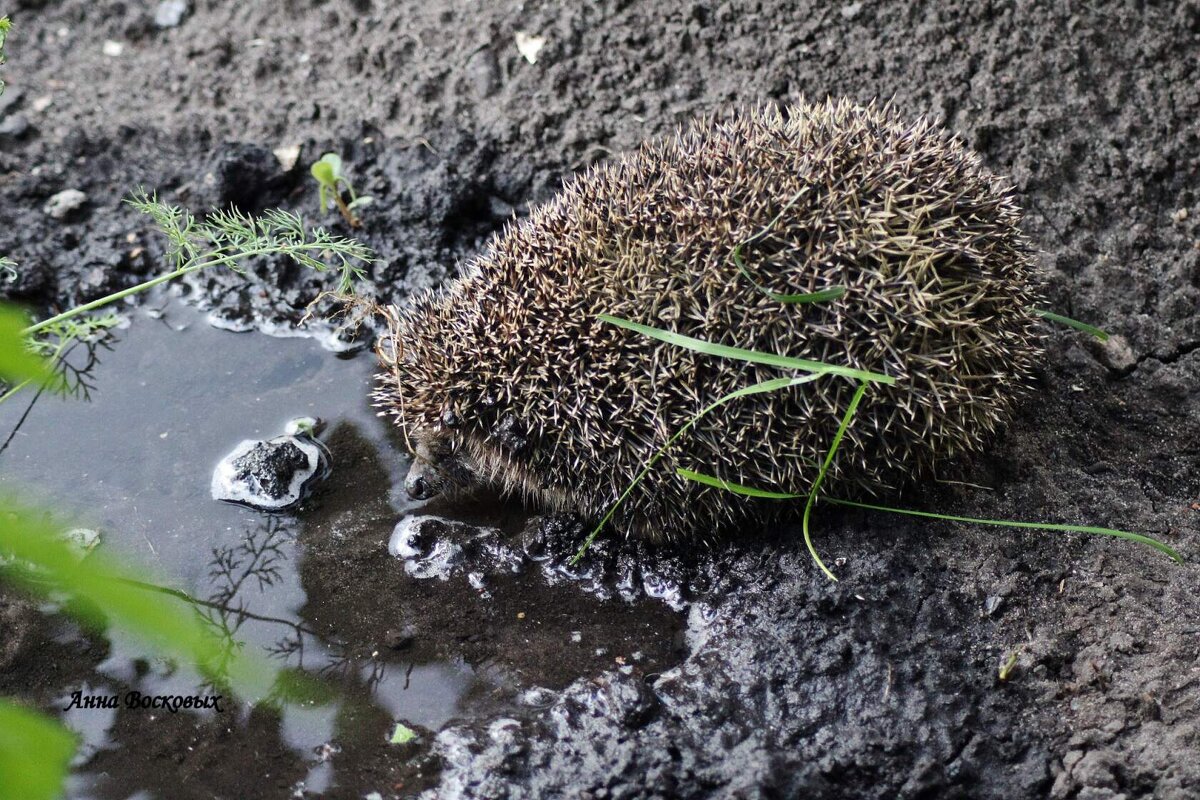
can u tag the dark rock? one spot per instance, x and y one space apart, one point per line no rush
272 475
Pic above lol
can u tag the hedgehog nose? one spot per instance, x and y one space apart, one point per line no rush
418 488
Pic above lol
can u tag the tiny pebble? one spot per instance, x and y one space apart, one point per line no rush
170 13
287 155
62 204
529 46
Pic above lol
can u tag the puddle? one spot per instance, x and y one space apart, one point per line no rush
315 589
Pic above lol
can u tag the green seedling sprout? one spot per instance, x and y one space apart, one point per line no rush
1008 666
330 182
227 238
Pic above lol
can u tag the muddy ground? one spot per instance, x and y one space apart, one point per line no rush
883 685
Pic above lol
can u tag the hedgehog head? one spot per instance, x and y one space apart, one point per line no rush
460 432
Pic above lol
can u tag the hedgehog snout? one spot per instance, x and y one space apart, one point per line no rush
439 467
422 483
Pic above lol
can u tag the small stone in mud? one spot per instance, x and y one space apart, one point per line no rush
170 13
400 638
538 697
271 475
433 547
1117 355
63 204
14 128
82 540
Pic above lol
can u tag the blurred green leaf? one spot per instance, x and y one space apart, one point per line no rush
108 594
35 751
17 362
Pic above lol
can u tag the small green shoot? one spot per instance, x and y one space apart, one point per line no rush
766 386
224 239
35 751
8 269
752 356
331 181
1073 323
402 734
1008 666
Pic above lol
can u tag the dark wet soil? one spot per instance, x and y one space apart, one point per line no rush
882 685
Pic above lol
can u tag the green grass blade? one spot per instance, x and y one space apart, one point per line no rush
772 385
1073 323
1133 537
752 356
812 494
736 488
812 297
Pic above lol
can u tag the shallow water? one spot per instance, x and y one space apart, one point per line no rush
314 589
134 460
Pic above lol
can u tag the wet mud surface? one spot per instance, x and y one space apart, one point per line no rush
756 676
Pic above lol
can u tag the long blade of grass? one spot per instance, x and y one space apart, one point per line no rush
772 385
812 494
752 356
1073 323
822 296
736 488
750 491
811 297
1133 537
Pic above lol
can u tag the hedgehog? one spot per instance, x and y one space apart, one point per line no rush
508 376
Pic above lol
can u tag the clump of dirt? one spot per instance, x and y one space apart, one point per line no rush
883 685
